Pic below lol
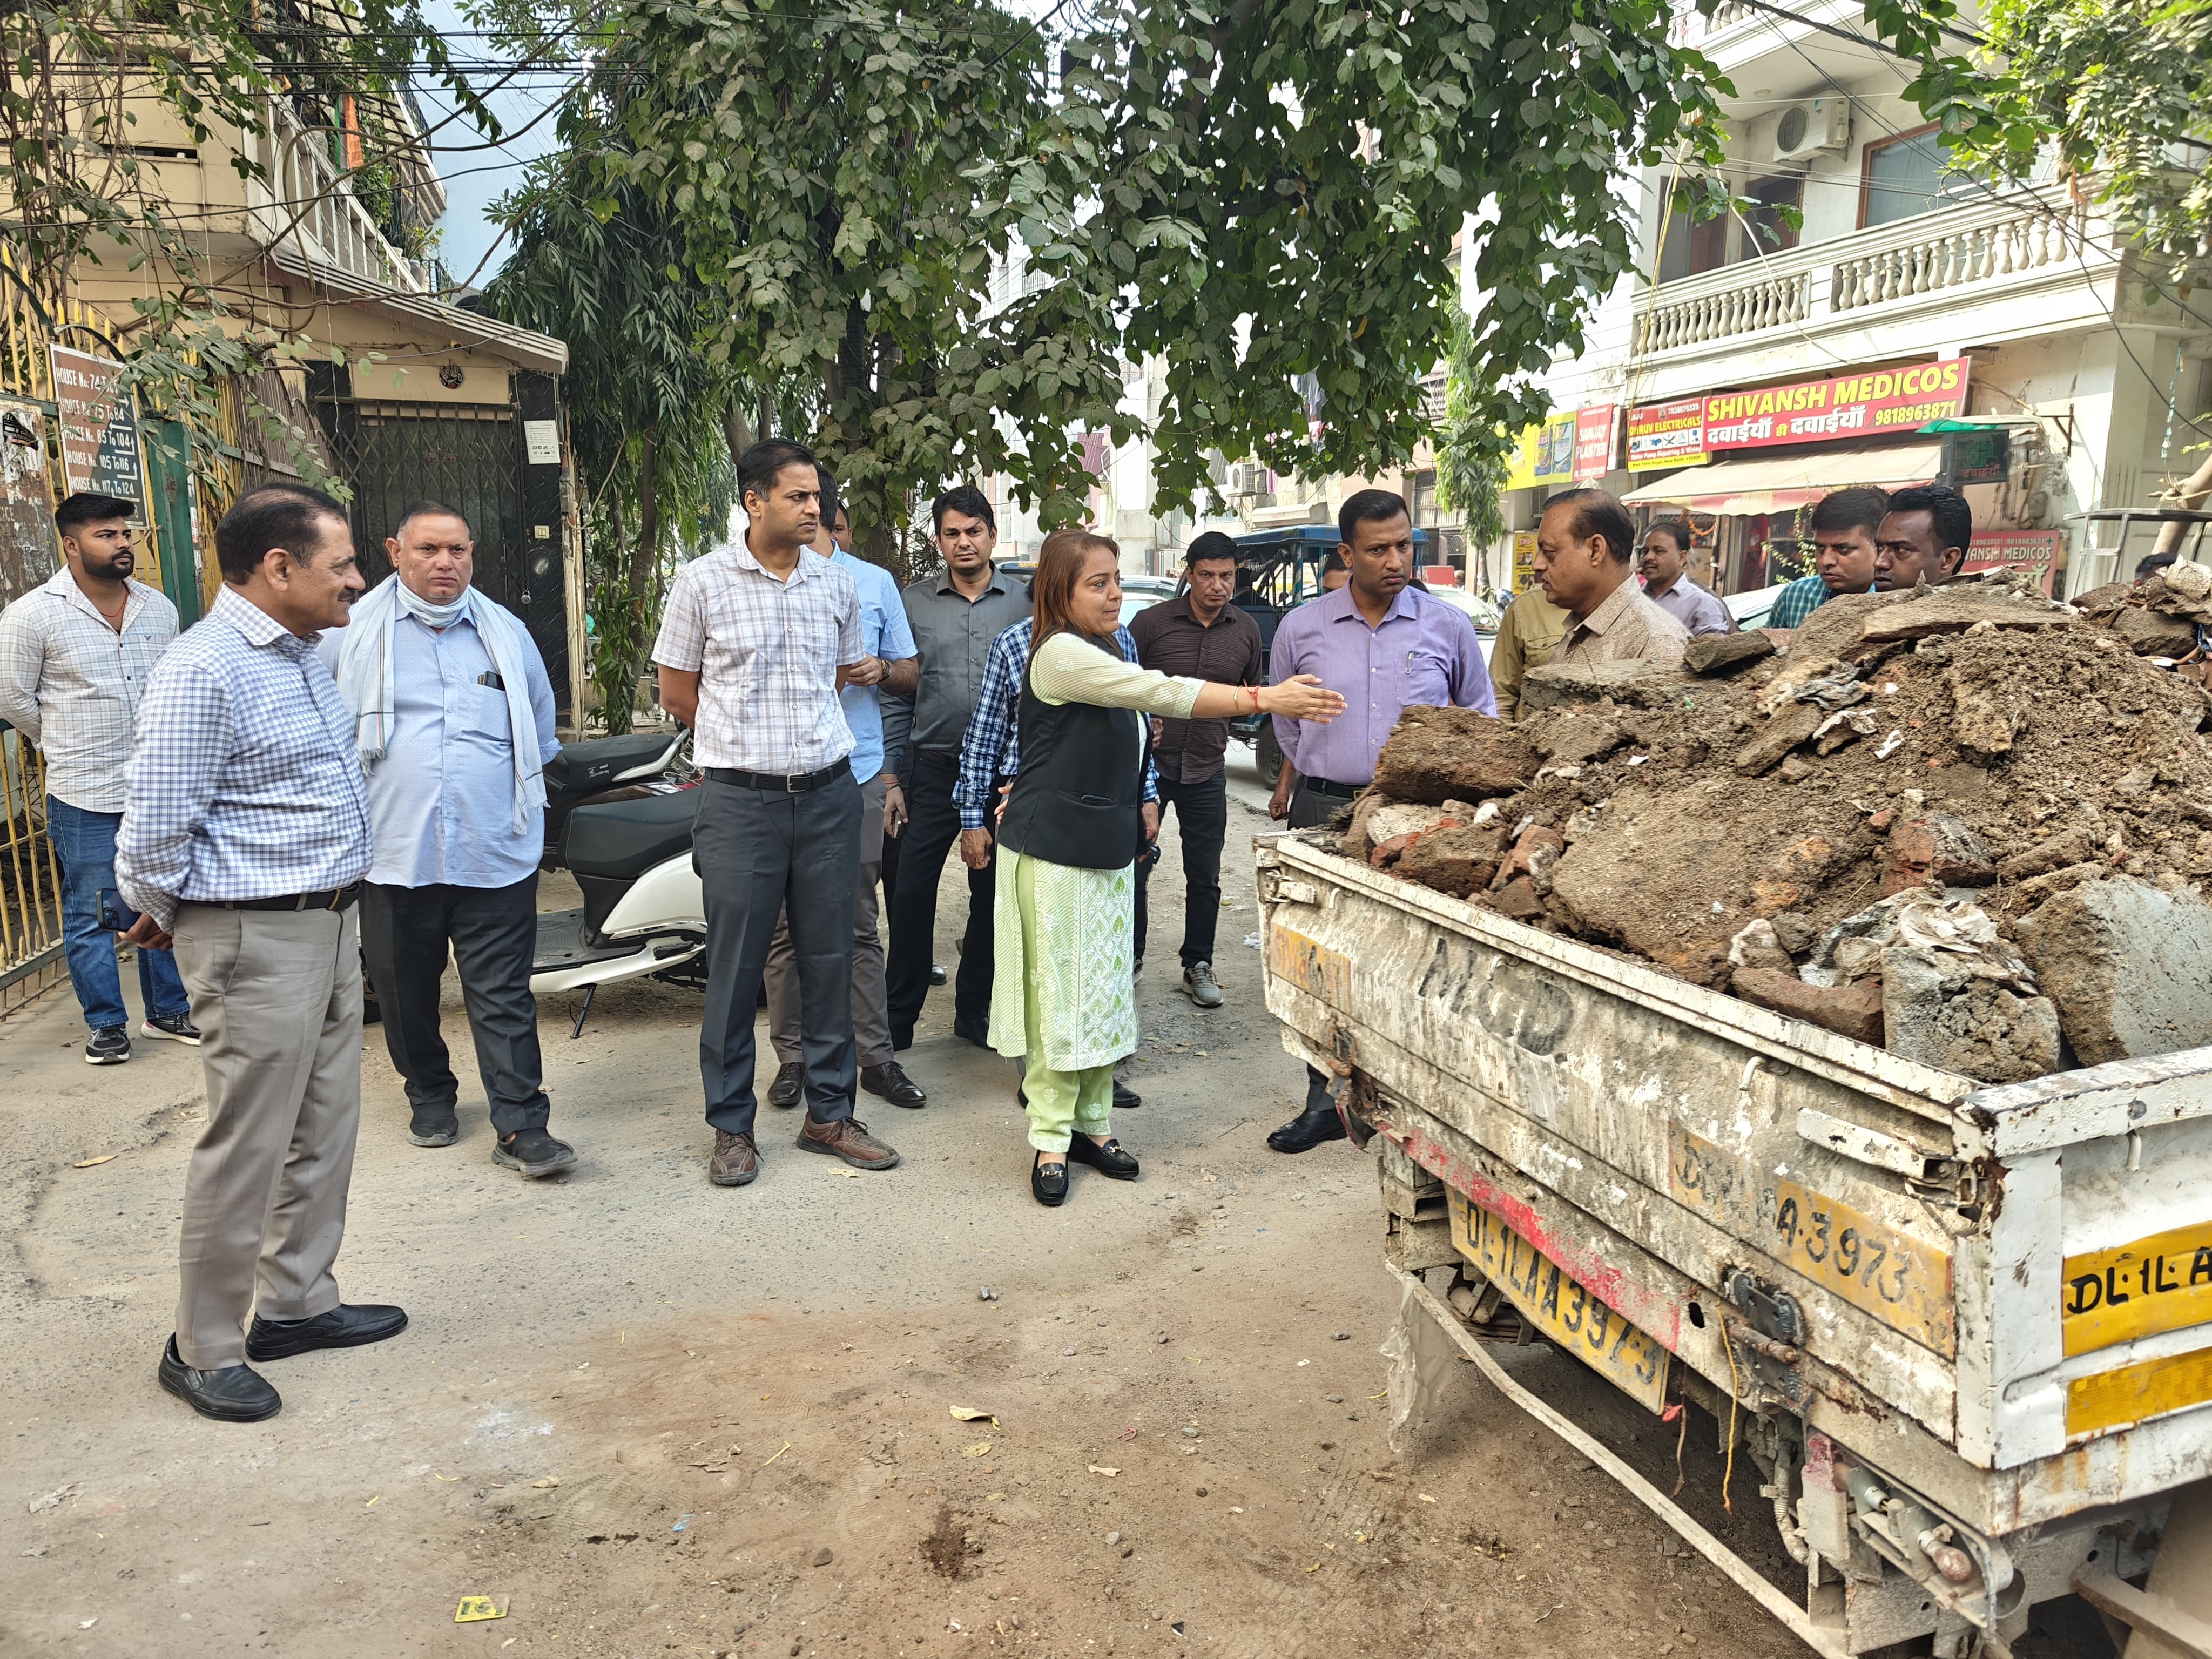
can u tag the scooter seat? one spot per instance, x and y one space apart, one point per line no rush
624 839
588 767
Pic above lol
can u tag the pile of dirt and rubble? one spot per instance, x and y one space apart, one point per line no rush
1968 822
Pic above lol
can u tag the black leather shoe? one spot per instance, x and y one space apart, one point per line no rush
1108 1160
937 976
890 1081
1307 1130
234 1394
790 1083
343 1326
978 1031
1048 1181
1125 1097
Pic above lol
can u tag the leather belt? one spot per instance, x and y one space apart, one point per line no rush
798 784
1323 787
329 898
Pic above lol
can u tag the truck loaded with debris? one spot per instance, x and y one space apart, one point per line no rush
1813 1033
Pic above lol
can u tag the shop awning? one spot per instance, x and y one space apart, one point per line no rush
1776 483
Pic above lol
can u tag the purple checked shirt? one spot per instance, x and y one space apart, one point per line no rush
1424 653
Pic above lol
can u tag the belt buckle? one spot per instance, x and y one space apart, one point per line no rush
792 783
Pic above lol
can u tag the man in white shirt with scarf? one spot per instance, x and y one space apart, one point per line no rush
454 714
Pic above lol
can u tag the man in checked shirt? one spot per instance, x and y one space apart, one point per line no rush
76 654
245 836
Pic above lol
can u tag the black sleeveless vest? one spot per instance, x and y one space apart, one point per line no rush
1078 797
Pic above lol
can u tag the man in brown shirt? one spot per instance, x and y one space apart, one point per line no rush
1585 547
1198 633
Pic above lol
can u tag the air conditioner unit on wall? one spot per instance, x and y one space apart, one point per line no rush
1809 128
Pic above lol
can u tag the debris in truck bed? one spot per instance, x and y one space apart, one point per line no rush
2032 777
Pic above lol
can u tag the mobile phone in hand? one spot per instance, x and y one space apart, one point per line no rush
115 917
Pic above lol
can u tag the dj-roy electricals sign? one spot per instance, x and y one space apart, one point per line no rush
1876 403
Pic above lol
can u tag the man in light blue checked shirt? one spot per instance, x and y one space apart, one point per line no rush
455 717
244 839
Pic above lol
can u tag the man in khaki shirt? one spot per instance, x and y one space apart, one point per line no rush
1585 547
1531 626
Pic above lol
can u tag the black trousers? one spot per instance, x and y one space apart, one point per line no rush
492 935
762 854
931 832
1202 818
1309 807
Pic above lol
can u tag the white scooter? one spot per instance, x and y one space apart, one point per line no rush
618 815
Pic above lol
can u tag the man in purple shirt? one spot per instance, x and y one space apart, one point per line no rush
1664 562
1386 646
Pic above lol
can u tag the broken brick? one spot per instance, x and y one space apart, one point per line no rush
1852 1010
1939 846
1518 900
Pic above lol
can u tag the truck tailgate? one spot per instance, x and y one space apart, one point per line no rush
1651 1138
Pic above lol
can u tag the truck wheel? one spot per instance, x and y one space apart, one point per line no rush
1267 755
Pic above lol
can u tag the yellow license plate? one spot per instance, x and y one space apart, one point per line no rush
1308 963
1899 1279
1569 1316
2136 1393
2157 1284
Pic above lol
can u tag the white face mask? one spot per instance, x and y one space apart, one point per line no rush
428 611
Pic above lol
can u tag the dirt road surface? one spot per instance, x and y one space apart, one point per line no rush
643 1416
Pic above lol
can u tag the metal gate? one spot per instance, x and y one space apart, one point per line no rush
470 456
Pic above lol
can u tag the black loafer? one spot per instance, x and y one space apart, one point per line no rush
1049 1182
936 974
790 1084
1307 1130
1125 1097
1108 1160
343 1326
891 1082
234 1393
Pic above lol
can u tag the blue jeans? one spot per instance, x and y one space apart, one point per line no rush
86 843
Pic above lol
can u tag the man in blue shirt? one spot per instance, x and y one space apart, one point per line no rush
244 835
453 717
1843 555
884 633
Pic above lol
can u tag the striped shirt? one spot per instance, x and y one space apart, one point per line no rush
245 779
767 651
71 682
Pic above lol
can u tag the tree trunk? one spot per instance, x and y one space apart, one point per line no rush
2190 494
736 430
643 554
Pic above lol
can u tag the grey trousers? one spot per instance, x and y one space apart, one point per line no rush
762 854
871 1025
276 995
490 934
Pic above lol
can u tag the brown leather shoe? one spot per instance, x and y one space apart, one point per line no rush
736 1160
848 1138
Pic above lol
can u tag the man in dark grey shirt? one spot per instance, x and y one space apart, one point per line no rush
954 615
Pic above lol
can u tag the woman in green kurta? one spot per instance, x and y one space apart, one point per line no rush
1064 993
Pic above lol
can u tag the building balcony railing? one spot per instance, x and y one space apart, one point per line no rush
1971 252
304 201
